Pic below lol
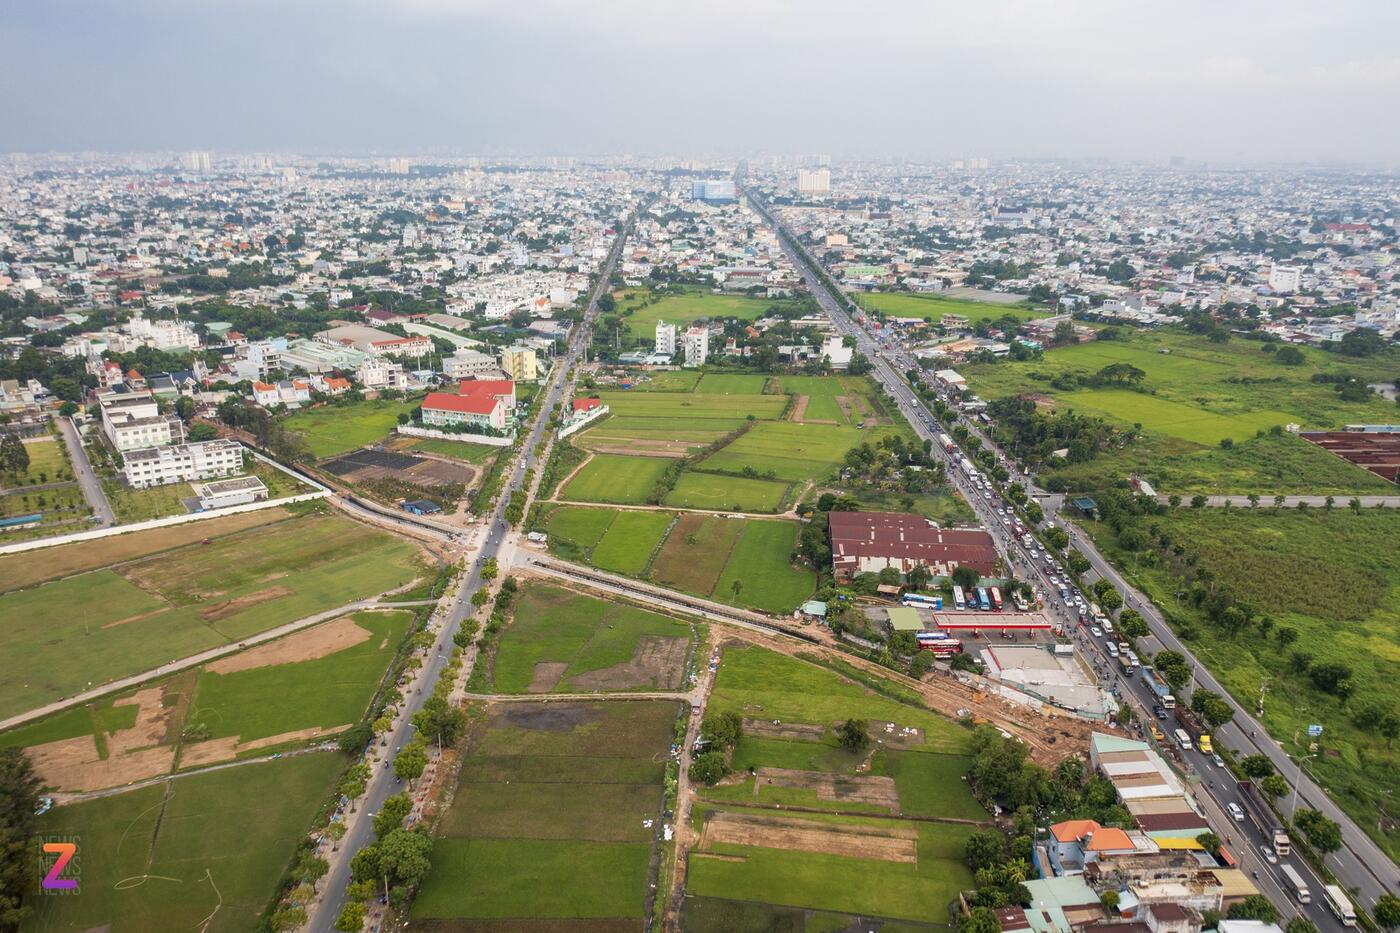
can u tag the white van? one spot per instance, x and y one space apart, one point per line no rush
1112 650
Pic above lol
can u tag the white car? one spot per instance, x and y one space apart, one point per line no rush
1269 855
1219 762
1235 812
1096 631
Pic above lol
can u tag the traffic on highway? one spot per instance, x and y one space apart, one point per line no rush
1286 879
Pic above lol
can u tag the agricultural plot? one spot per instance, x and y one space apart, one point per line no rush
46 488
1322 577
830 399
889 868
1195 395
910 305
731 384
560 792
112 622
761 563
206 852
630 541
336 429
615 478
574 530
727 493
562 642
696 551
793 452
673 423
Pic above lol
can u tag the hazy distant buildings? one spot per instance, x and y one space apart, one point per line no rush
1285 278
717 190
196 161
814 181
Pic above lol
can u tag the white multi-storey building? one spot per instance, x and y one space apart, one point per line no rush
132 421
1285 278
697 346
177 463
665 338
467 364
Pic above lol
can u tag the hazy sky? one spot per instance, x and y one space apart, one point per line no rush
1220 79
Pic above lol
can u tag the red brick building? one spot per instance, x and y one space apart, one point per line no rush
864 542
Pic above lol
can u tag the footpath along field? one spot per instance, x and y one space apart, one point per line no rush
560 791
697 553
1196 396
107 621
754 848
561 641
298 690
203 853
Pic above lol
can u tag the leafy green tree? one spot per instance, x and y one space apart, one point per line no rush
1210 842
984 848
1254 907
1109 900
1212 707
391 815
1301 924
288 918
1275 785
852 735
979 920
409 763
709 768
352 918
19 864
439 721
966 577
1386 913
404 855
723 729
1324 835
1256 766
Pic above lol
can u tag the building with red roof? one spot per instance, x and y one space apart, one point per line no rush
868 542
443 409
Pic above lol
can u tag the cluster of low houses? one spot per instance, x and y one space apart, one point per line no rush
1163 879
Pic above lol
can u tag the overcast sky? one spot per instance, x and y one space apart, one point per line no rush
1224 80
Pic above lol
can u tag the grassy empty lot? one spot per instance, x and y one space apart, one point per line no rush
1327 577
552 792
909 304
335 429
574 530
726 493
675 421
630 541
762 562
210 849
685 308
457 450
615 478
109 623
792 690
322 693
581 635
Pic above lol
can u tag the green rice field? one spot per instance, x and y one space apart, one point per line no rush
911 305
615 478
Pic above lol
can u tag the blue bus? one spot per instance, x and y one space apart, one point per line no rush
984 602
919 600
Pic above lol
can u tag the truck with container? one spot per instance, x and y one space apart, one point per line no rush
1339 904
947 443
1158 685
1128 661
1294 884
1263 817
1191 722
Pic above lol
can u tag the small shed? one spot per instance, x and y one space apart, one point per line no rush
422 507
905 619
1085 506
813 608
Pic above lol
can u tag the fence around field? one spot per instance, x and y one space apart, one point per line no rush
98 533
